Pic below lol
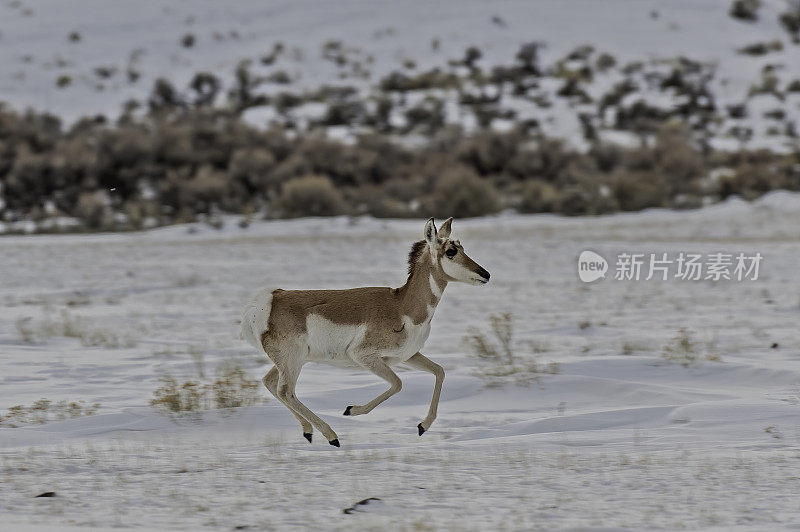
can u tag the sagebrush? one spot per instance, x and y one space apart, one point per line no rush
189 153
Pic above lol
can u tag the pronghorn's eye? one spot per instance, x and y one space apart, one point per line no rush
451 252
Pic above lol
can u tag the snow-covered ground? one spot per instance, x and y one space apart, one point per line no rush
619 437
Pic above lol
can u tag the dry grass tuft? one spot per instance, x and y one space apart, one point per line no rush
230 389
500 362
685 350
68 325
44 410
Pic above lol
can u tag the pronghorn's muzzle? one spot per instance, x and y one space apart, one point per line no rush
482 276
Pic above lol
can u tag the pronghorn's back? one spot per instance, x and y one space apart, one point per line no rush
290 308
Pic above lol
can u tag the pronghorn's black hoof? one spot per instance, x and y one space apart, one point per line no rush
420 429
307 435
335 442
347 411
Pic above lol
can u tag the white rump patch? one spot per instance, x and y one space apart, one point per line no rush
255 317
437 293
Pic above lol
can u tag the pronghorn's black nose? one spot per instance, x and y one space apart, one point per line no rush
483 273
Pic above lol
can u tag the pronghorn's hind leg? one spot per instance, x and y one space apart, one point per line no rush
421 362
287 380
376 365
270 381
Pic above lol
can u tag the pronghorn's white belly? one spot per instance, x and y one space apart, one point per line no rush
330 342
335 344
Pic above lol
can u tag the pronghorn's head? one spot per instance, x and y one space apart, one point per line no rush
449 257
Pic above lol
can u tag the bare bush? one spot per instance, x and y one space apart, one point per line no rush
497 352
230 389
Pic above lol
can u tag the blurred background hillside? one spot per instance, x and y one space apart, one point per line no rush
121 116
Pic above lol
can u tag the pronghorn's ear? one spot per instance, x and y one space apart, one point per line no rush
444 230
430 236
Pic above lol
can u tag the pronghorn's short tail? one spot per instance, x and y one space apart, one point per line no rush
255 317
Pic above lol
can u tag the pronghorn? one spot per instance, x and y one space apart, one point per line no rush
370 328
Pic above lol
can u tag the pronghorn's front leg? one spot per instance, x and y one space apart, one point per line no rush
420 361
270 381
376 365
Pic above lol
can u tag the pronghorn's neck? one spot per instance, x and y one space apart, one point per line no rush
423 289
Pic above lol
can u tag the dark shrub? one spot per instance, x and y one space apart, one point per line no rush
427 117
746 10
761 48
574 201
543 159
92 208
174 145
528 57
285 101
344 113
206 189
463 194
311 196
164 98
489 152
345 165
754 178
407 190
583 190
606 156
431 79
379 202
790 20
471 55
252 167
293 166
30 180
637 190
538 196
205 86
605 61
